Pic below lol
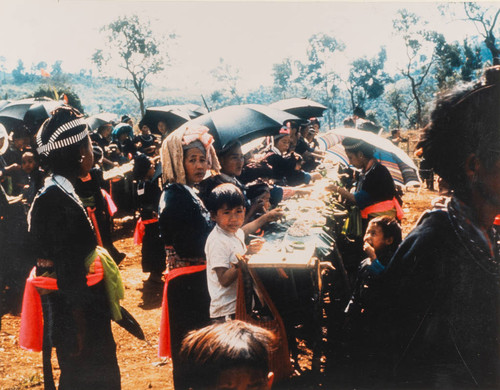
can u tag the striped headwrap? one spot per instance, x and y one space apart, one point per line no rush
67 134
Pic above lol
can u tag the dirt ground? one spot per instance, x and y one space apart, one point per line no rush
139 363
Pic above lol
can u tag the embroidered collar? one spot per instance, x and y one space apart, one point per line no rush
231 179
480 244
277 151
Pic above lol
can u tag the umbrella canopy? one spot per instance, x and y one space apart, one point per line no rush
244 123
100 119
122 128
402 168
3 103
32 112
301 107
174 115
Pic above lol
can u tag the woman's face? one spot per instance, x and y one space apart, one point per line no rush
195 165
87 158
232 162
283 144
356 159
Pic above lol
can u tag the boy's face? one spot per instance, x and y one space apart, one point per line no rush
244 378
375 237
230 220
28 164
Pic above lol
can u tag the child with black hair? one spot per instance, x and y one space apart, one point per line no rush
381 240
226 204
147 231
34 176
229 355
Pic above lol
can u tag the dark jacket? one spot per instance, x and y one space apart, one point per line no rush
438 322
184 222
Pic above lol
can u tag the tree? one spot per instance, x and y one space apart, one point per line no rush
228 76
367 78
472 61
56 94
397 100
419 55
447 60
139 53
318 73
485 20
282 74
18 72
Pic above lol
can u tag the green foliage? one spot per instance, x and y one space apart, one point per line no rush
367 78
485 19
472 61
228 77
131 41
56 94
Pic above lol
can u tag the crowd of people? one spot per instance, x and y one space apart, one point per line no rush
423 312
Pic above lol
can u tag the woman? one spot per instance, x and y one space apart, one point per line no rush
231 161
184 221
440 318
77 317
185 224
286 169
375 192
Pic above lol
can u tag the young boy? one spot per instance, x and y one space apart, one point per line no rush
231 355
34 176
226 204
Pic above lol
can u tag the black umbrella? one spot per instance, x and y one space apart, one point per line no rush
243 123
100 119
303 108
32 112
174 115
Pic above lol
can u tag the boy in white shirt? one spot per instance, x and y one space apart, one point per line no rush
226 204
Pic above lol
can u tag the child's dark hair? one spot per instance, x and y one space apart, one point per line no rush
225 194
390 228
218 347
31 153
256 189
142 163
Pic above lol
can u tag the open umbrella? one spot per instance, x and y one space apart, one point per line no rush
100 119
244 123
402 168
32 112
303 108
3 103
174 115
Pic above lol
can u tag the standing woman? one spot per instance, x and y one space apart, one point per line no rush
77 317
185 224
375 193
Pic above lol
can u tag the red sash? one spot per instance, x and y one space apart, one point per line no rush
31 332
383 206
164 345
140 229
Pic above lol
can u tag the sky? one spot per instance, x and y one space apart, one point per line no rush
250 36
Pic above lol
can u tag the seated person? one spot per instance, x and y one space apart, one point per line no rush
231 161
228 355
227 208
286 169
145 142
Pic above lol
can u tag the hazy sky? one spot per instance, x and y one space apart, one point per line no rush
251 36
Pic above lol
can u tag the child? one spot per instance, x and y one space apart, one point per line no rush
382 238
229 355
226 204
148 197
34 175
